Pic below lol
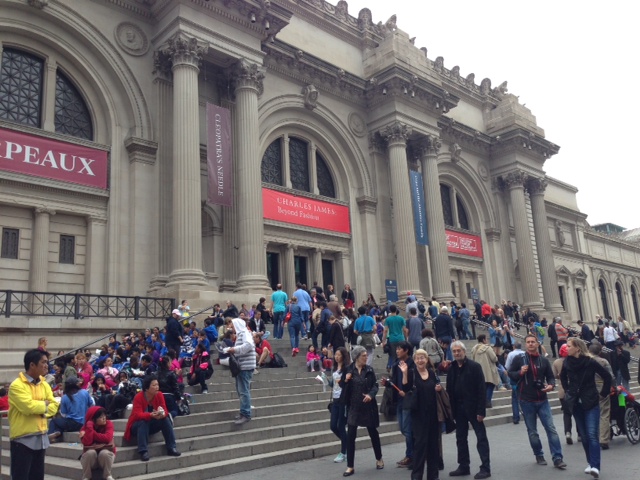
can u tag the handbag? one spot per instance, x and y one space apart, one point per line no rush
234 366
571 398
287 317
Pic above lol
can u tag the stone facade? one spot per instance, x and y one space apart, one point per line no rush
364 104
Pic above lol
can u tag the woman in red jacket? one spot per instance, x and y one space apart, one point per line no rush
98 449
148 416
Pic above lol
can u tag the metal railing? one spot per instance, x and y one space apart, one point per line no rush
80 305
83 346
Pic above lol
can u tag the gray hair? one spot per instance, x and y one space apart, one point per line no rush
356 352
458 343
332 298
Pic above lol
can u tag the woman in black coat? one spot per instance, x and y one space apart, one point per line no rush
336 334
359 389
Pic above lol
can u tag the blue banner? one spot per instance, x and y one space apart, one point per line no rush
391 287
419 210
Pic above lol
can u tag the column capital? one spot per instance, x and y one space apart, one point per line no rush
516 179
367 204
180 49
245 74
536 185
396 133
48 211
428 146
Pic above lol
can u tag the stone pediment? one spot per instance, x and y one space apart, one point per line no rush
579 274
563 271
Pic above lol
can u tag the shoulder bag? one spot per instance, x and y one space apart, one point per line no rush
234 366
572 397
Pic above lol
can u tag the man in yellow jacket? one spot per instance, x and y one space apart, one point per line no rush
31 403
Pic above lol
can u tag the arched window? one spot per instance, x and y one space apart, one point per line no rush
299 164
72 115
21 92
462 214
447 208
271 166
299 167
603 297
325 182
21 78
620 301
634 300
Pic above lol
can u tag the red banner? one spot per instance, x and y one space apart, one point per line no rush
464 244
220 191
47 158
288 208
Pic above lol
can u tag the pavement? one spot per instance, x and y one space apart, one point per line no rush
511 458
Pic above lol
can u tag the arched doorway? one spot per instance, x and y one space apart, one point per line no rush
620 300
603 298
634 300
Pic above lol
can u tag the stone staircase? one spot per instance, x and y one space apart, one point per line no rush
290 424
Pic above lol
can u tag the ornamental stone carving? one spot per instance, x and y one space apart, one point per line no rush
396 133
514 179
365 19
131 39
560 233
357 125
485 86
246 74
483 170
536 186
38 3
438 66
456 152
46 210
310 93
179 50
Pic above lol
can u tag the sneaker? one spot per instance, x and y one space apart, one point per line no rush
588 470
559 463
242 420
256 371
482 474
540 460
53 437
205 391
293 352
595 473
340 458
569 439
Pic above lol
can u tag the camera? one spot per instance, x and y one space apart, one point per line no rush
539 384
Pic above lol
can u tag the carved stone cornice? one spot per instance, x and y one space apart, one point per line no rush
536 185
367 204
245 74
180 49
396 133
141 150
466 137
523 142
492 234
38 3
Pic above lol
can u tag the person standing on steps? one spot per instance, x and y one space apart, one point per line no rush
245 352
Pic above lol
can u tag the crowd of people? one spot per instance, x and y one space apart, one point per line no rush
146 372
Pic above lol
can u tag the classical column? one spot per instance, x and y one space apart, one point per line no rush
396 136
344 267
515 182
289 282
317 267
286 168
39 271
185 54
96 255
49 96
367 206
536 188
438 254
462 294
247 82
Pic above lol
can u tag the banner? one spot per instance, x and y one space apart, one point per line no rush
391 289
464 244
288 208
54 159
419 210
219 160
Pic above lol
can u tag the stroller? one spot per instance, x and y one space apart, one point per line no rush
625 415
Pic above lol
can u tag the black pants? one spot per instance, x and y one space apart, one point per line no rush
201 378
352 433
462 432
566 417
425 449
553 344
26 464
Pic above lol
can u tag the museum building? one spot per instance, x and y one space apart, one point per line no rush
357 157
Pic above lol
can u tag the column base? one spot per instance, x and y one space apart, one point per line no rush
158 282
187 276
402 296
255 284
556 308
535 306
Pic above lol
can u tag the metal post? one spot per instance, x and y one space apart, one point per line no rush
136 308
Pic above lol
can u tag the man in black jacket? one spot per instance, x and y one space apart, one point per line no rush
620 359
553 337
467 393
173 336
534 377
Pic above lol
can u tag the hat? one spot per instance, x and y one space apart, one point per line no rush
71 381
176 311
580 321
444 309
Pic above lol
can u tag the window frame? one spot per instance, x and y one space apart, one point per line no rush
6 248
64 256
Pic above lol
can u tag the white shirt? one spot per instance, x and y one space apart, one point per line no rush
610 334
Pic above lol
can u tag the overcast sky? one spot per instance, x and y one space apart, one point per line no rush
572 63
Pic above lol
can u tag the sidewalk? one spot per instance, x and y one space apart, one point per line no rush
511 457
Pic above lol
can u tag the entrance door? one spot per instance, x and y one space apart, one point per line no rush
273 270
327 273
301 269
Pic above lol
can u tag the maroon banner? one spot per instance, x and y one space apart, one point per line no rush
47 158
464 244
220 191
284 207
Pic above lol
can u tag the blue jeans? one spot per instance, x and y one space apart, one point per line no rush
142 429
622 381
278 318
466 328
243 387
294 334
531 411
306 321
588 426
515 403
339 423
64 424
490 388
404 422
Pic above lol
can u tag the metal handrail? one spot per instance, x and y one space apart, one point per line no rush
83 346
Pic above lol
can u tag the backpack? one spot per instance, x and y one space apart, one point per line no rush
278 361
